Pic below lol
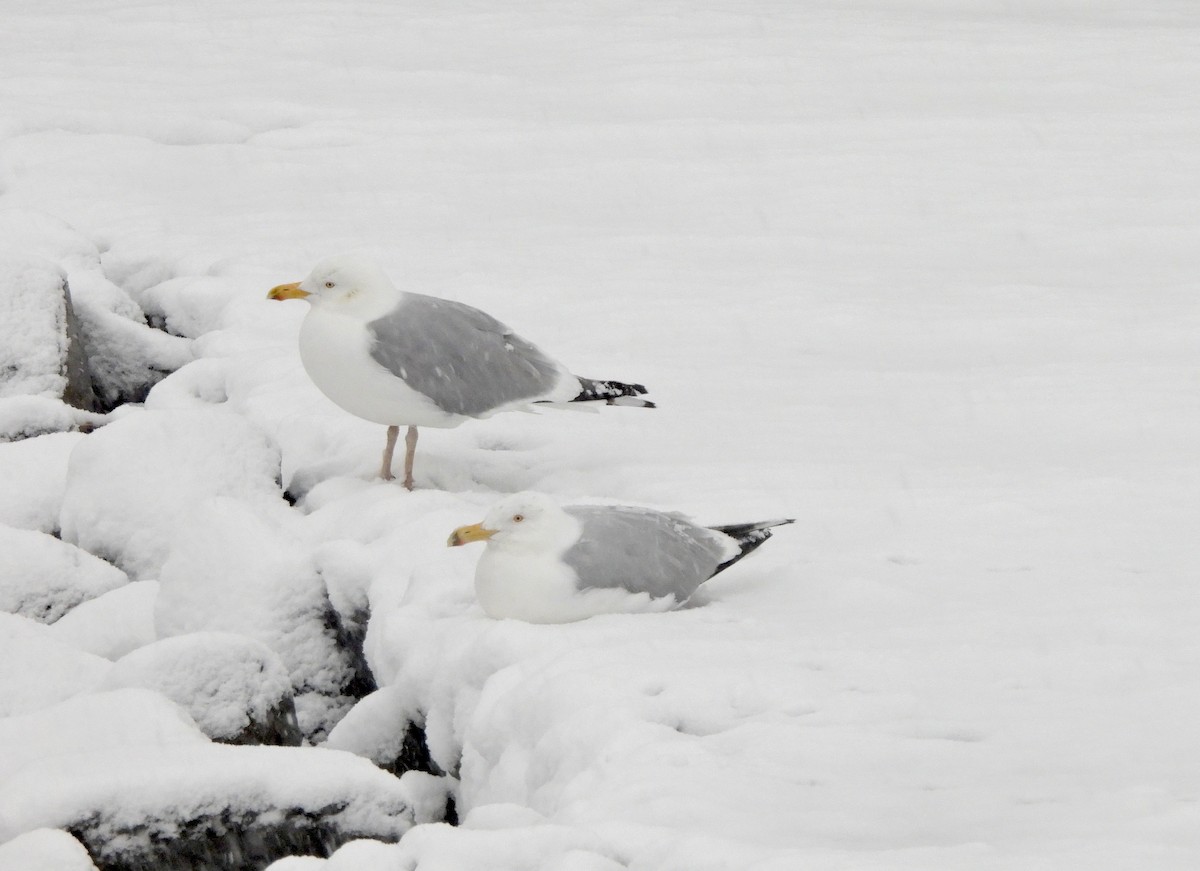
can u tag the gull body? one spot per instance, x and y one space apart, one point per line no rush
408 359
545 563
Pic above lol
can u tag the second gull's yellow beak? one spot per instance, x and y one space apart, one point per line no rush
467 534
287 291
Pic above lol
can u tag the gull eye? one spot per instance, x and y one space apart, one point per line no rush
329 284
517 518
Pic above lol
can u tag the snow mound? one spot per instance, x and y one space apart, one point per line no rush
234 687
37 670
42 235
45 850
35 475
113 624
99 722
43 578
187 306
237 569
132 484
496 836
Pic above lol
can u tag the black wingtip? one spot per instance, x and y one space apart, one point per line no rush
749 536
612 393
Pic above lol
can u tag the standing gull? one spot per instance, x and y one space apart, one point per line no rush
406 359
550 564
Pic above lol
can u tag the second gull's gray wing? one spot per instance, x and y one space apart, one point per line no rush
642 551
463 359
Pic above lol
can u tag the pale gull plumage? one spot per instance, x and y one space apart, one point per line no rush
406 359
545 563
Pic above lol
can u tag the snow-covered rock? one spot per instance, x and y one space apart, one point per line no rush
43 578
112 624
131 485
126 356
235 688
41 352
93 338
198 804
36 669
188 305
386 728
237 568
27 417
45 850
35 475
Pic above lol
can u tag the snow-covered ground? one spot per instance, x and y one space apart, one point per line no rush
920 274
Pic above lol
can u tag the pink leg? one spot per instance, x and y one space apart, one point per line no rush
410 442
386 471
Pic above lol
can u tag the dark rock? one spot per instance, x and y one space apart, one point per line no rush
279 727
223 841
78 391
349 632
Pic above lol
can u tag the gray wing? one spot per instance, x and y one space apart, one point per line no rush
463 359
642 551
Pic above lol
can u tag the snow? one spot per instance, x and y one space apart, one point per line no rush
159 787
36 669
43 578
375 727
234 569
132 484
25 417
919 274
35 471
98 722
125 356
112 624
45 850
226 682
33 344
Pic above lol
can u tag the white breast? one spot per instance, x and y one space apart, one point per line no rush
538 588
334 350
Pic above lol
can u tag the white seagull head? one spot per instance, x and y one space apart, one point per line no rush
344 283
523 520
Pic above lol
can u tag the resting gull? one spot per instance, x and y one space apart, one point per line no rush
546 563
406 359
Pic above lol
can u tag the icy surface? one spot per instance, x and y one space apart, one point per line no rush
43 578
922 275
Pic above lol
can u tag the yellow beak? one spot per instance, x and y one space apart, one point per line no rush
287 291
467 534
